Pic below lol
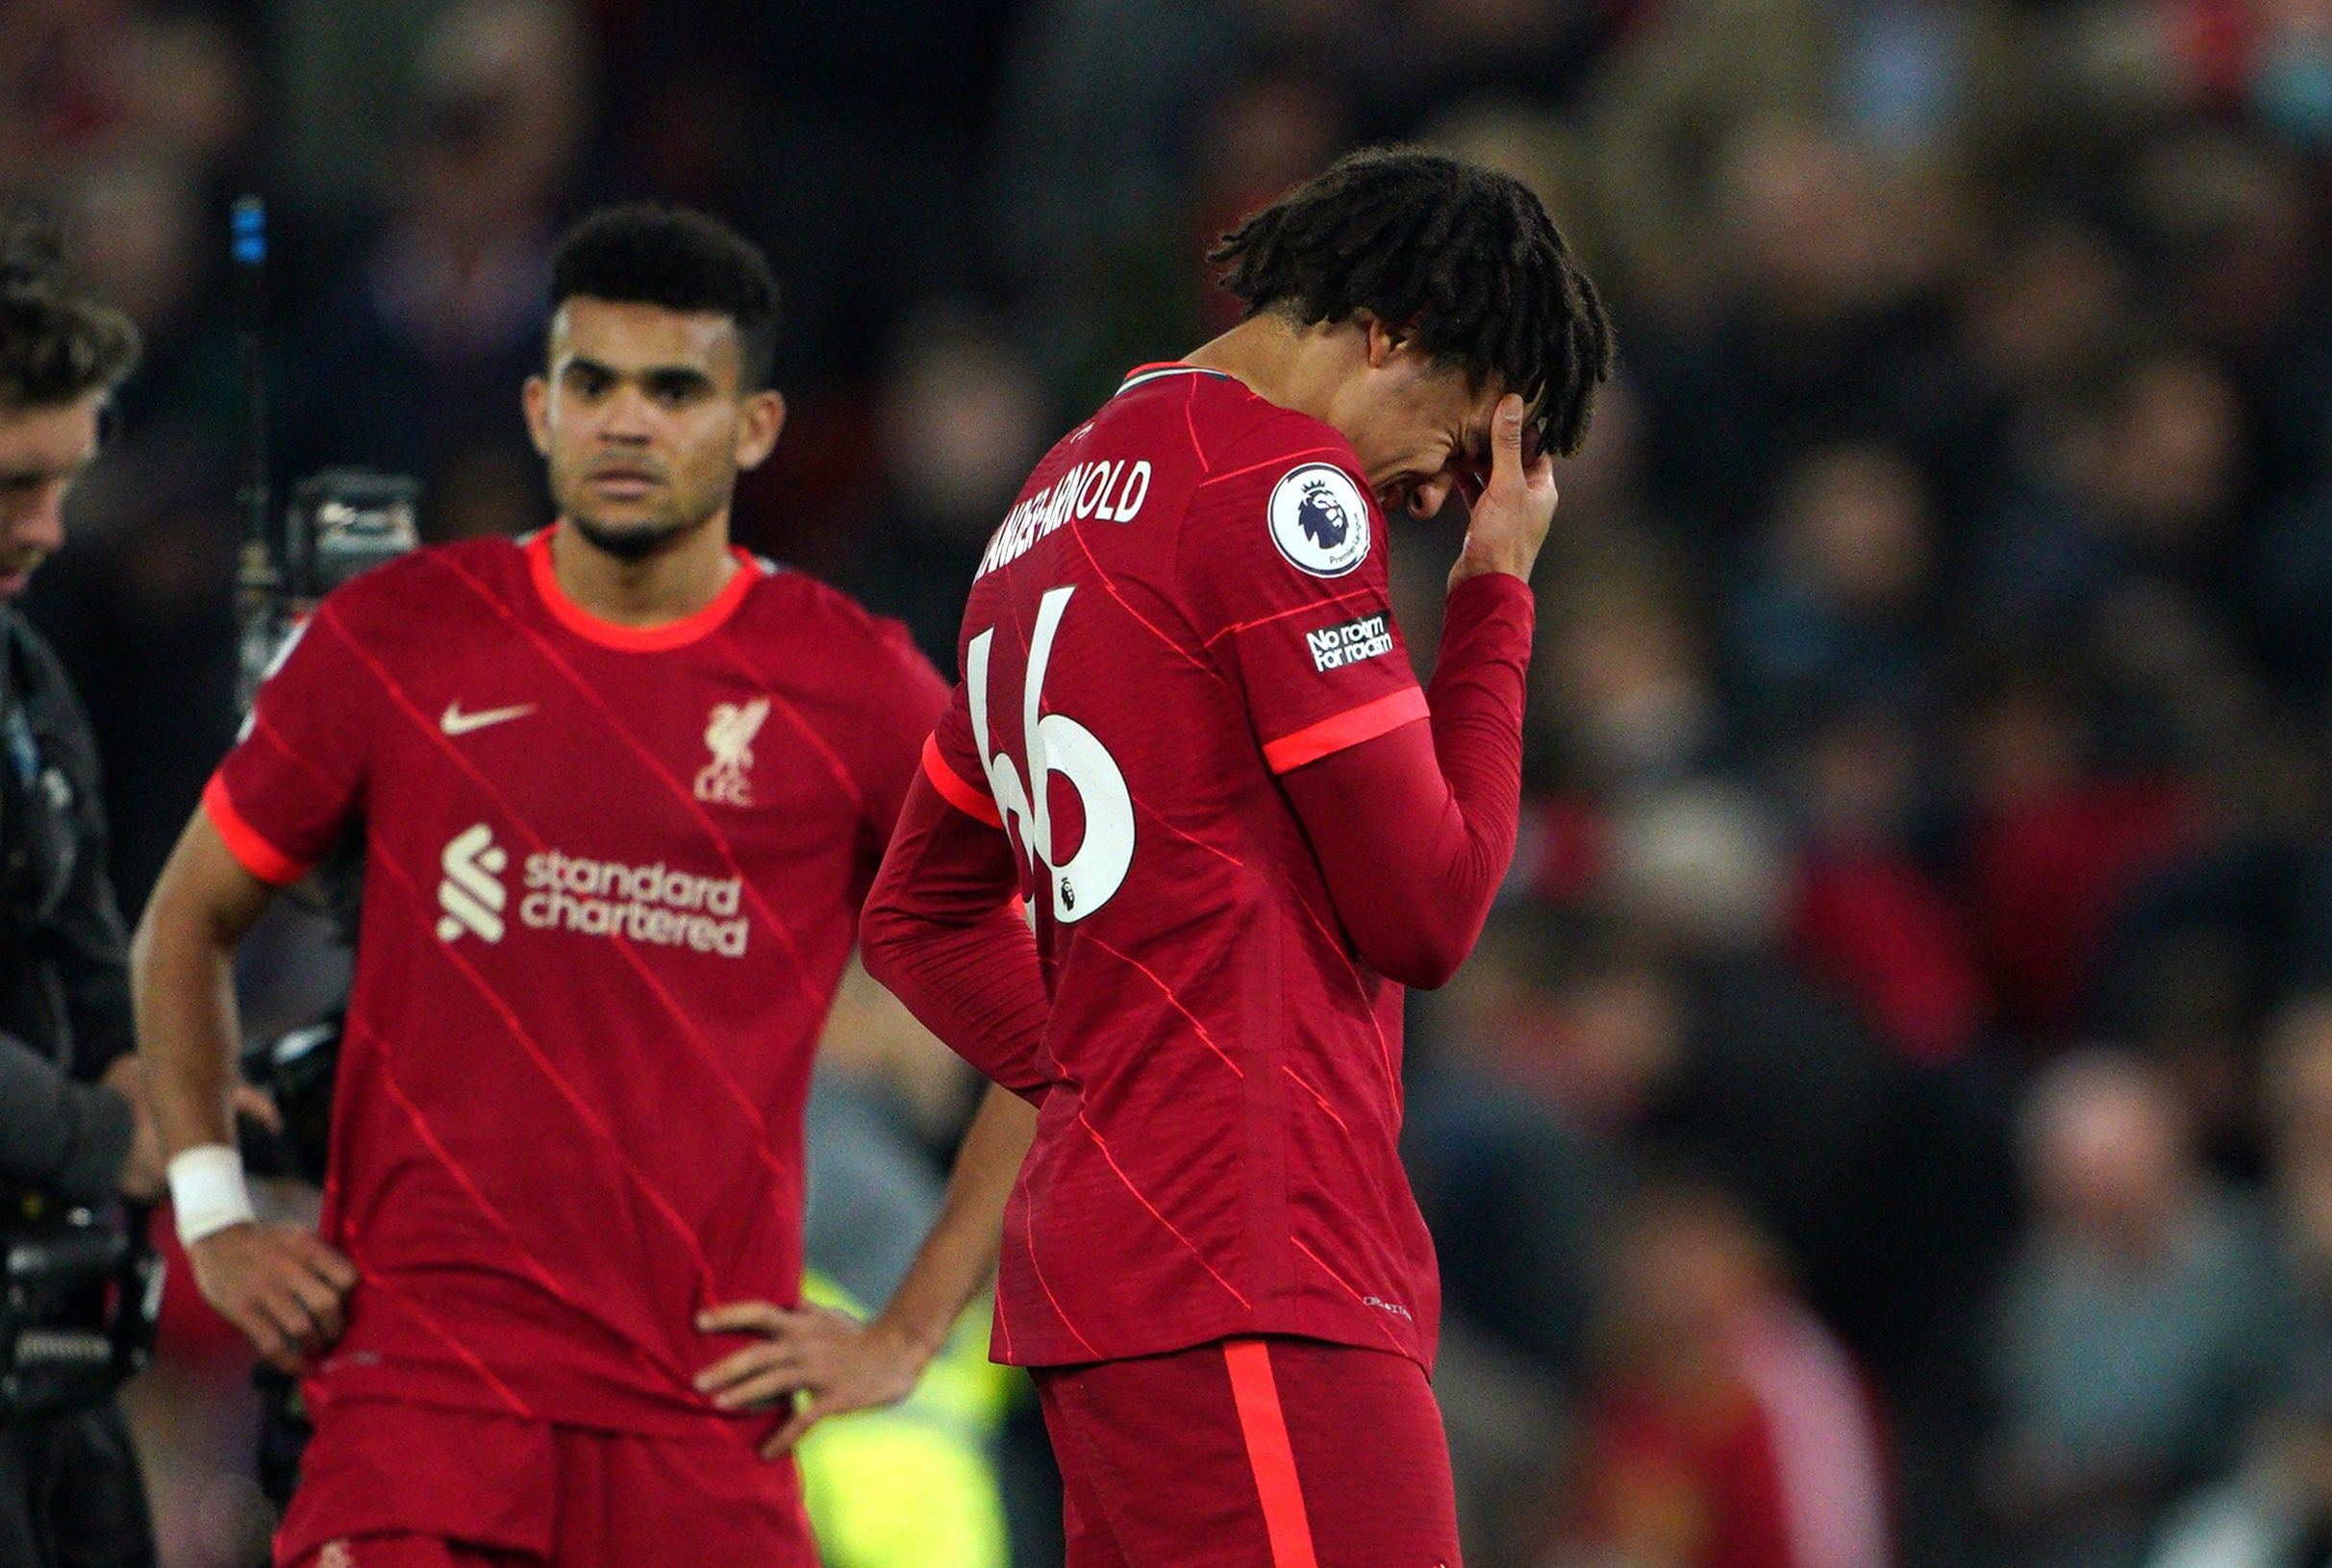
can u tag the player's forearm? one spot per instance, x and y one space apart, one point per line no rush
1415 829
181 985
1476 698
941 933
976 988
183 989
959 1256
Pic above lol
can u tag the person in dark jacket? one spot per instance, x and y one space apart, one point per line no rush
75 1131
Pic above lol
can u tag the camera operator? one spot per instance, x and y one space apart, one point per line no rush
74 1127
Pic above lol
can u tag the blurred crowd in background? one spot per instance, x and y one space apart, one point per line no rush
1890 1117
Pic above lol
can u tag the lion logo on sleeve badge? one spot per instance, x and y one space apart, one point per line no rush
1320 521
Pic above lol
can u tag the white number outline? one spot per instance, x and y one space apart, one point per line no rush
1056 744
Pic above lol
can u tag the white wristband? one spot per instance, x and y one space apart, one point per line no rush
207 1191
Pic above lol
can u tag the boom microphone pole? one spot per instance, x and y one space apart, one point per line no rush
259 577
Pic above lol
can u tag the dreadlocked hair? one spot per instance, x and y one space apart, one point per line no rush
1464 257
57 344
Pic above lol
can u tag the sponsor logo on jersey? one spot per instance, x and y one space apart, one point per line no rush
656 904
1333 647
1112 489
471 895
729 736
454 722
1320 521
336 1554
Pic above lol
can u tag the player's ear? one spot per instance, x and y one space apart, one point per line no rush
536 397
758 421
1383 341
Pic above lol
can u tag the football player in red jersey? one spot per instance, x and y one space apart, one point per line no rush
1189 735
623 789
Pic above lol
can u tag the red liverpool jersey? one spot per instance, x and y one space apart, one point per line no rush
611 878
1189 600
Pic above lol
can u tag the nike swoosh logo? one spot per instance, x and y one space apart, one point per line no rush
455 722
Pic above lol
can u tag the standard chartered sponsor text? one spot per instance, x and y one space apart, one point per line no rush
644 902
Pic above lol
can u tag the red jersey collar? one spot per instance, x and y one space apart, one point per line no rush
636 640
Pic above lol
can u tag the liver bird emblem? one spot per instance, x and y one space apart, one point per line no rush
729 736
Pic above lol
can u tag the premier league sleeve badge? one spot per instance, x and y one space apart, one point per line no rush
1320 521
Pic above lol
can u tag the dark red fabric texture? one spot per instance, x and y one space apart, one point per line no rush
943 931
1187 604
1158 1473
419 1486
1188 738
2045 876
611 878
1414 830
1874 924
410 1552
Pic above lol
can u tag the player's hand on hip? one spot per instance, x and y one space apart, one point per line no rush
827 1363
1507 524
282 1286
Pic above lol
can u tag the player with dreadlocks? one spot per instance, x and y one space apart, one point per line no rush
1188 734
1466 258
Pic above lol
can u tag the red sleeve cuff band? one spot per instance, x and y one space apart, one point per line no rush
1349 728
263 860
954 790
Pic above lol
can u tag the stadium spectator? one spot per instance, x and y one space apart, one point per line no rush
1868 916
2277 1512
1729 1428
2138 1330
1834 608
1704 869
407 362
1626 688
1555 1046
962 415
2295 1087
1824 324
2055 841
2139 485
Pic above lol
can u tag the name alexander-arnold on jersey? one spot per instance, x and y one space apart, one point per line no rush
1112 489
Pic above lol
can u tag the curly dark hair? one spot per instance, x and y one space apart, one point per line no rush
1463 257
647 253
57 344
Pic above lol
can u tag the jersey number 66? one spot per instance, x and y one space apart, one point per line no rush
1056 744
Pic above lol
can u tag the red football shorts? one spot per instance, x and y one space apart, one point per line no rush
393 1485
1252 1454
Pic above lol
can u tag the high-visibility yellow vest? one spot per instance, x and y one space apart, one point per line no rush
912 1486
